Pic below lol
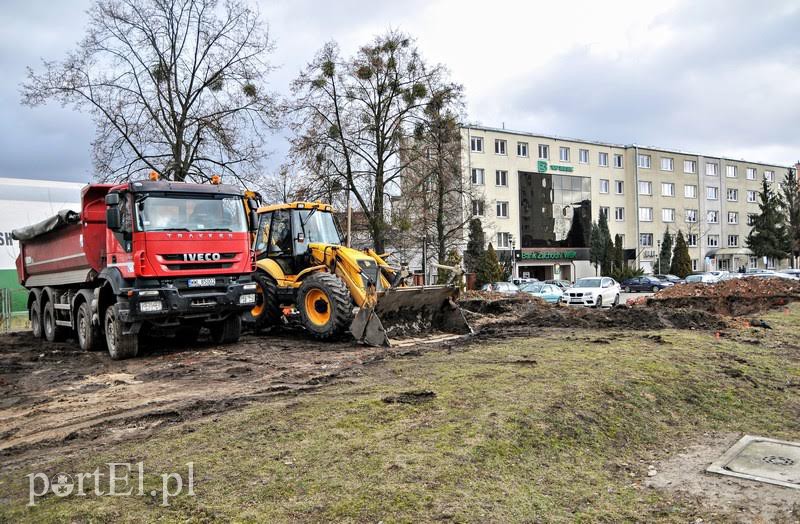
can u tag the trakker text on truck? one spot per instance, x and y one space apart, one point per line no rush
138 256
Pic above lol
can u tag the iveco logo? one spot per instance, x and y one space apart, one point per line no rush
201 257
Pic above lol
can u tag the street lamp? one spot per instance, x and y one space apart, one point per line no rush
513 243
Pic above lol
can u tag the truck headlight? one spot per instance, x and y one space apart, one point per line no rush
150 306
247 299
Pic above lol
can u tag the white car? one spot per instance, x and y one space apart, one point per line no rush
593 291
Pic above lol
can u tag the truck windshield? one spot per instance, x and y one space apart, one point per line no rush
190 213
319 226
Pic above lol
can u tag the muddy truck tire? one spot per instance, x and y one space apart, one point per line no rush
90 337
52 332
36 319
120 346
226 331
326 308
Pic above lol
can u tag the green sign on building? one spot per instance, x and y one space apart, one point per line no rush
548 255
541 167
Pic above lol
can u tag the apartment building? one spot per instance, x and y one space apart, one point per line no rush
537 196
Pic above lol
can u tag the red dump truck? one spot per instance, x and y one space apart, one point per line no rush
140 256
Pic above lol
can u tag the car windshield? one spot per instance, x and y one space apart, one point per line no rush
191 213
587 282
319 226
532 288
694 278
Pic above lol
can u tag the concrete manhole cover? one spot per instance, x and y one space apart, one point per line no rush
763 460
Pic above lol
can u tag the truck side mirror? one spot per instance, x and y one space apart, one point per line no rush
113 218
112 199
253 220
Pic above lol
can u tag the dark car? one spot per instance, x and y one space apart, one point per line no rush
644 283
670 278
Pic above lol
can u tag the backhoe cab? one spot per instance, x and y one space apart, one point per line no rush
302 265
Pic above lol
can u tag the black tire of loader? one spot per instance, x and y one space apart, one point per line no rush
341 306
270 314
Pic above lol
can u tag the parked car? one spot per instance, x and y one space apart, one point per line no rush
670 278
717 274
519 281
792 272
702 278
644 283
547 292
731 276
593 291
562 284
501 287
771 275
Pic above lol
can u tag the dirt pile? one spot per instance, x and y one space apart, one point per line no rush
743 296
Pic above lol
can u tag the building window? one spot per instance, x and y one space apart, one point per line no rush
689 166
583 156
733 217
476 144
544 151
666 164
751 173
646 214
769 176
691 240
500 147
691 216
690 191
604 186
751 219
477 208
619 187
502 209
522 149
503 241
563 154
752 196
645 188
753 262
733 240
694 264
604 211
712 193
646 239
501 178
667 189
712 217
667 215
730 171
733 195
712 169
644 161
602 159
618 161
619 214
712 240
477 176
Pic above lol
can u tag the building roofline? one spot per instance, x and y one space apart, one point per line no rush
621 146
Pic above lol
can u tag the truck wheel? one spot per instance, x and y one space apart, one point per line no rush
120 346
52 332
36 319
325 306
89 336
266 313
226 331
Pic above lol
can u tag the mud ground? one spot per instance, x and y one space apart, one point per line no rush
55 398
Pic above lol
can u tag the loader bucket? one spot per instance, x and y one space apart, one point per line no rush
407 313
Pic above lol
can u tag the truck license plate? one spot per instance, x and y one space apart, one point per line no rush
202 282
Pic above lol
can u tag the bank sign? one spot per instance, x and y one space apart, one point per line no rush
541 167
552 254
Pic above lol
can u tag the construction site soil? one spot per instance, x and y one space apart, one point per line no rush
57 400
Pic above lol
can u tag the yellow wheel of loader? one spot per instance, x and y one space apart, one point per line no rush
302 264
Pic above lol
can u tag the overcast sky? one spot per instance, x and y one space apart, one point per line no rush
715 77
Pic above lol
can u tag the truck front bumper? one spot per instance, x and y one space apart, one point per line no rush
165 303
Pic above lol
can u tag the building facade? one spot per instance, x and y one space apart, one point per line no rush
537 196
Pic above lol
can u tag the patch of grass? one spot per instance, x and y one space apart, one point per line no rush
553 429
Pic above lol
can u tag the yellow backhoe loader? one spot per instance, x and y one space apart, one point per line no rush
302 265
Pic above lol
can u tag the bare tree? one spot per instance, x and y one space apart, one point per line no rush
355 116
175 86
